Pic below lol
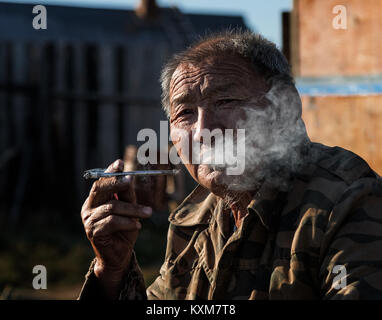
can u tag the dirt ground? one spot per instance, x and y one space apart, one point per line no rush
62 247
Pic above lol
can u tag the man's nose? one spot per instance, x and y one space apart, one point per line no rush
205 122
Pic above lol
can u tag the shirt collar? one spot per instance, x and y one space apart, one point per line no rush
267 203
196 209
199 206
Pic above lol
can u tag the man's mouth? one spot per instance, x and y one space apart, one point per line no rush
217 167
221 167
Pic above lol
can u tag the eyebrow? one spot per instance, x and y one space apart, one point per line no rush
218 89
183 98
189 97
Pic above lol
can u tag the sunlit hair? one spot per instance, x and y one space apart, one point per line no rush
263 54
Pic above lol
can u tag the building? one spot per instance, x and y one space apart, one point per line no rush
338 69
74 95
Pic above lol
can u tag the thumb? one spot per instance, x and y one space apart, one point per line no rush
128 195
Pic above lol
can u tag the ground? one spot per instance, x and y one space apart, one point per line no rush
61 246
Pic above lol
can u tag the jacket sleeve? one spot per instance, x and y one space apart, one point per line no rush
156 291
133 286
352 263
163 286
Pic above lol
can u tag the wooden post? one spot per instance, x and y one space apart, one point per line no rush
3 128
21 139
80 122
3 112
285 17
107 133
295 39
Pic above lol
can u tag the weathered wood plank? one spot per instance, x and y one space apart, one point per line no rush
3 111
107 134
19 78
80 124
350 122
324 50
21 137
60 108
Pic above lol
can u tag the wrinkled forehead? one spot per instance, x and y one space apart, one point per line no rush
225 72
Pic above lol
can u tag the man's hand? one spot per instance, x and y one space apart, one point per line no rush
112 226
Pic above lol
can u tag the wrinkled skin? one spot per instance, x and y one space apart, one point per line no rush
212 96
206 96
112 226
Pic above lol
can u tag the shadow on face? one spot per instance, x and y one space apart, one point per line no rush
208 97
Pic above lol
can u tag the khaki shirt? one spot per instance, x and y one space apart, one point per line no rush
320 240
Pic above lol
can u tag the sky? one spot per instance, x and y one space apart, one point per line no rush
261 16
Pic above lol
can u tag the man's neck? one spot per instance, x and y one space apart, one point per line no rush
239 206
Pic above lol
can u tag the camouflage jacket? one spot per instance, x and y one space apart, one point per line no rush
320 240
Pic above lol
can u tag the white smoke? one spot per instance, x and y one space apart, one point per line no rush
273 148
274 141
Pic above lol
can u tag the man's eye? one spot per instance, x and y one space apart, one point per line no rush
185 112
225 101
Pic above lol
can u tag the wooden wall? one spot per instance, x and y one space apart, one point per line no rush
66 107
354 123
320 50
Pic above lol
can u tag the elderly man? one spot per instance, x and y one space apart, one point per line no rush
302 221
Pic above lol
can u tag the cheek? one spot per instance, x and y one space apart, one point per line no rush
182 143
181 138
235 117
228 117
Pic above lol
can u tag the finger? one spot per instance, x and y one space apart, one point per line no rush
92 200
128 194
116 166
85 212
115 207
103 189
85 206
112 224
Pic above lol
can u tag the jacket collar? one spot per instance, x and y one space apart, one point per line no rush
267 204
199 206
196 209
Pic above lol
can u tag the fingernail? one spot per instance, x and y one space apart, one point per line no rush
147 210
126 178
115 164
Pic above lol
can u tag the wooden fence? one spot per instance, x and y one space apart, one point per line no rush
66 107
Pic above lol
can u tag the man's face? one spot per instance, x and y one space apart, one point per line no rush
211 95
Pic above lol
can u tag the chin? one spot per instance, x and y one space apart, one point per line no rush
213 180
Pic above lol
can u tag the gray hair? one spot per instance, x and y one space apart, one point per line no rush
262 53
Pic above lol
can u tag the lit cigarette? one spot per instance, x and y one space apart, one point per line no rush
100 173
